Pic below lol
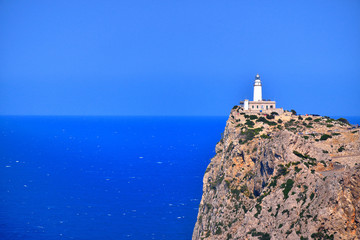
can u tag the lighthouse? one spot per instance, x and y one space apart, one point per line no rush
257 89
258 105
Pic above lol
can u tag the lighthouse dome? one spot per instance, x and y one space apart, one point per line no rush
257 76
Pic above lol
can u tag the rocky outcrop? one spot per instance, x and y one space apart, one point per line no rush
282 177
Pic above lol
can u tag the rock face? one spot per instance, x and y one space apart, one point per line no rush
282 177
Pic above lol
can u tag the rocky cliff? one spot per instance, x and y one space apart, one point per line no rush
282 177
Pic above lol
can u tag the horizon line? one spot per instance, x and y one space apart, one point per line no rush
118 115
102 115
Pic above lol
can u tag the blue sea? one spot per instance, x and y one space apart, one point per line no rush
103 177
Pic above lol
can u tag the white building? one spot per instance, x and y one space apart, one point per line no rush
258 104
257 89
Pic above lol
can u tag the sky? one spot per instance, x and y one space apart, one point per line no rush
177 58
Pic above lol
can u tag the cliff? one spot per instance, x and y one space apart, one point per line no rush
282 177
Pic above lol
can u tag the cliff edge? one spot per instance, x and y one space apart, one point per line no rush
282 177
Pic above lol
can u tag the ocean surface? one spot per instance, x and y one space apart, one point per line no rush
104 177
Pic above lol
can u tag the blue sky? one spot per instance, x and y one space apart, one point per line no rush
177 57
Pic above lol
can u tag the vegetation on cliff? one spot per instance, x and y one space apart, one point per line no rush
282 176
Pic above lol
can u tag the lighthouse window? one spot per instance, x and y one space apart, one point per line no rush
257 106
271 106
253 106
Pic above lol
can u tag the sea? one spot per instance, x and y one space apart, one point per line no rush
100 178
94 178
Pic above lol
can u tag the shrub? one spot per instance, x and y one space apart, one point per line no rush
258 210
265 136
260 235
321 235
329 120
243 188
282 170
249 123
287 187
289 123
280 121
325 137
270 116
235 107
257 130
252 117
217 182
277 210
299 154
264 120
244 208
342 148
218 231
271 123
227 182
249 134
308 118
300 118
230 147
273 182
293 129
259 200
312 196
343 120
293 112
236 193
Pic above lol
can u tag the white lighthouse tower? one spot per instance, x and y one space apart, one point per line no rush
257 89
259 105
